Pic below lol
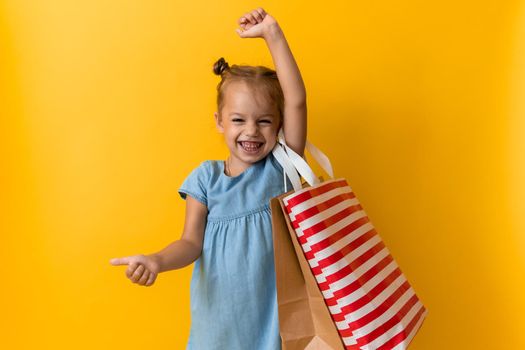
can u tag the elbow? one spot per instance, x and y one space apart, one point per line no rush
299 103
297 100
197 251
194 249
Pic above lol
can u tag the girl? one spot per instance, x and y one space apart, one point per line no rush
227 229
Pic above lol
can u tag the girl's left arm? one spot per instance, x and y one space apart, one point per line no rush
259 24
294 123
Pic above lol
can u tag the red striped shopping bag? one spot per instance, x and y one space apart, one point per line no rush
371 302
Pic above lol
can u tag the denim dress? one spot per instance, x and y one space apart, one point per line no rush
233 294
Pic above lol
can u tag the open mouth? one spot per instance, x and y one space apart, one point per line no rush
250 147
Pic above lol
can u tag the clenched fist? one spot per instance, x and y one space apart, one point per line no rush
256 24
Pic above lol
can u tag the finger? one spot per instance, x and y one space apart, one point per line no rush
144 278
240 32
242 20
119 261
151 279
243 33
250 18
257 15
261 11
138 273
131 269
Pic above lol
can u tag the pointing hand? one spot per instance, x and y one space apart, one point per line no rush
142 269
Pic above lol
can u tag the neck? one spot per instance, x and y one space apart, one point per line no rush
231 169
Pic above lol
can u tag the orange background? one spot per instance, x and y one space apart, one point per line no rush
106 106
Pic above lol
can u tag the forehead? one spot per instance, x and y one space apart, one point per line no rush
239 96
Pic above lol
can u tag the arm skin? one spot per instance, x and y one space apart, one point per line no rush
294 124
187 249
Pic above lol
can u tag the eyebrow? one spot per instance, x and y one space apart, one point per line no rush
262 115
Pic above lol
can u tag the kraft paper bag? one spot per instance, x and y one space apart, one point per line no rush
366 296
304 319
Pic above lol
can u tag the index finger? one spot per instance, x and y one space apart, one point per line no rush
119 261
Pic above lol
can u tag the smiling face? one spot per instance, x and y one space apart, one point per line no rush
249 124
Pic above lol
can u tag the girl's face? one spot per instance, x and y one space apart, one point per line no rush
249 125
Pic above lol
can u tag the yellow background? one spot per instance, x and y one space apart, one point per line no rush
106 106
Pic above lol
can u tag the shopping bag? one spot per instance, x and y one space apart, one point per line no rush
304 319
370 300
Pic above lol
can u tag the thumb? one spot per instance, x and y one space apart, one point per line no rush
120 261
246 33
240 32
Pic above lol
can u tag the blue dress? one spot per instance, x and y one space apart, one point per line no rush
233 293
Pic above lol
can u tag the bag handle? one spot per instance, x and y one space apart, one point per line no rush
289 160
288 167
321 159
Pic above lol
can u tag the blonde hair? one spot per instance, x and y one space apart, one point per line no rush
258 78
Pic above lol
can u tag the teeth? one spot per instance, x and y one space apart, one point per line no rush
250 146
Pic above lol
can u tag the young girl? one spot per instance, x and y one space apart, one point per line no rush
227 229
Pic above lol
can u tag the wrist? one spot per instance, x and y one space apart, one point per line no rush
273 32
156 260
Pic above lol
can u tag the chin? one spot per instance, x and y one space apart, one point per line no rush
254 158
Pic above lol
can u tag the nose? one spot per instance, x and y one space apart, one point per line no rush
252 129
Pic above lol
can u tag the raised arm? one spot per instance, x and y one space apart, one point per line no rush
260 24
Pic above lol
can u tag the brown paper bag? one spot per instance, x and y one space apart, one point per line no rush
304 318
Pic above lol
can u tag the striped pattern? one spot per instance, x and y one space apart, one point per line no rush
369 298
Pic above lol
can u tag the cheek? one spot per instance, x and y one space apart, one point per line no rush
230 130
271 138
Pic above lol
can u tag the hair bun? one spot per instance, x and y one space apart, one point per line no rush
220 66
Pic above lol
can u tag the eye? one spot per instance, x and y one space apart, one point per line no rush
266 121
237 120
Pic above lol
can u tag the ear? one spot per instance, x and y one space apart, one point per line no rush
218 122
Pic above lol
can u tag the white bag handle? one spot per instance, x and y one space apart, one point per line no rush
289 160
321 159
288 167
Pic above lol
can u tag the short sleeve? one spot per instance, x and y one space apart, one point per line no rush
196 183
